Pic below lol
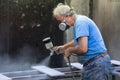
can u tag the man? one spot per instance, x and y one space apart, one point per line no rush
87 43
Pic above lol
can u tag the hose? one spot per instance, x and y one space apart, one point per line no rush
69 63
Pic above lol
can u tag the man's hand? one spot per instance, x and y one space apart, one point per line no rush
68 52
59 49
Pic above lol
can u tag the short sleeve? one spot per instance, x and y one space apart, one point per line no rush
82 29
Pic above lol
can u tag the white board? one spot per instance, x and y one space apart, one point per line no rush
2 77
76 65
115 62
48 71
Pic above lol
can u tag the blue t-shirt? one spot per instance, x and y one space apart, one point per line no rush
86 27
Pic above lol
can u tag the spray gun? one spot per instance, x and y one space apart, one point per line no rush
49 45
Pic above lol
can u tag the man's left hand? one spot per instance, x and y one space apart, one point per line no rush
68 52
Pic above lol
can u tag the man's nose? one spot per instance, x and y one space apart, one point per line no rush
63 20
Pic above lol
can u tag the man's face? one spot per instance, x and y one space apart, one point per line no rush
59 18
65 19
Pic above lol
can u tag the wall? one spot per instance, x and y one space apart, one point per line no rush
107 16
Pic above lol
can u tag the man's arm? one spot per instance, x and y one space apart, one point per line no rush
62 48
69 44
78 49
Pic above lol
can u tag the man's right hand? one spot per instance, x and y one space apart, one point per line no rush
59 49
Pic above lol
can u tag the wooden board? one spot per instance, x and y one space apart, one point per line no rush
76 65
48 71
2 77
115 62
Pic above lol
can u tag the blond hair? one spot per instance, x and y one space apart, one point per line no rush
61 9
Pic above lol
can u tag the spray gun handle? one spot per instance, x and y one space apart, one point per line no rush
52 50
